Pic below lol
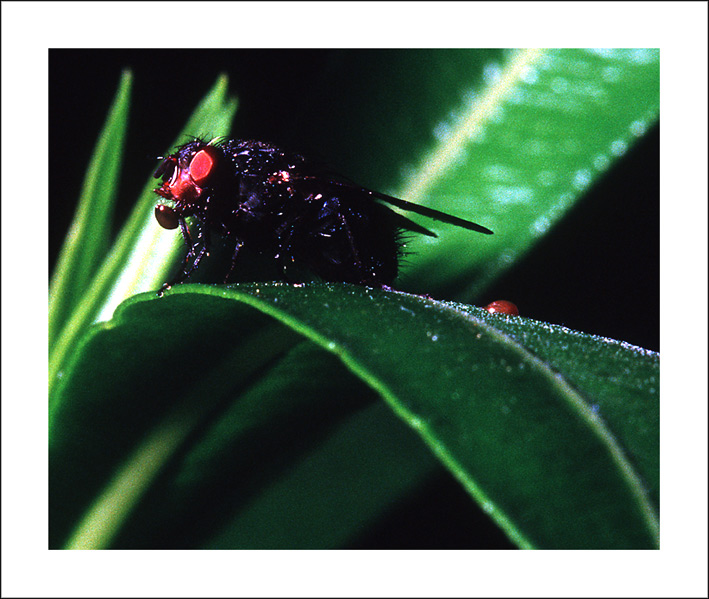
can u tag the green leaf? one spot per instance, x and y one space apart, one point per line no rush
143 253
201 412
509 139
86 243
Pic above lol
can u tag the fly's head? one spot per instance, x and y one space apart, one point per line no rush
189 177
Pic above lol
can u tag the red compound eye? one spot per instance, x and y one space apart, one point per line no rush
203 165
167 218
502 307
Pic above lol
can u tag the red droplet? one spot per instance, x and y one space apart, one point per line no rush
203 164
167 218
502 307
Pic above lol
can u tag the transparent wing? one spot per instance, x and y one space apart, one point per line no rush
431 213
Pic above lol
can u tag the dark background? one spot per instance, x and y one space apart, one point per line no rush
597 272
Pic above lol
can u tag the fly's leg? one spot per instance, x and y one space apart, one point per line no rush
367 275
204 251
285 254
188 240
192 254
237 247
319 211
350 238
332 207
185 272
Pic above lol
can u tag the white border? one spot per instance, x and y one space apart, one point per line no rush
678 569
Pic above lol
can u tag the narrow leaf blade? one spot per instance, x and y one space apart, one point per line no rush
86 243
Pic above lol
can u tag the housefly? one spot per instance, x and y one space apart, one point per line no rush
287 208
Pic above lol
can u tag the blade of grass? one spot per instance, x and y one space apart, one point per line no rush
86 243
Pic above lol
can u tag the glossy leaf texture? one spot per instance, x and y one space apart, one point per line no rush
511 139
214 417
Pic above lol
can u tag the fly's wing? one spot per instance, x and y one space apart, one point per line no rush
402 222
431 213
398 219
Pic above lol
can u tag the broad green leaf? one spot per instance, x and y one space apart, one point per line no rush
143 252
508 139
621 378
86 242
229 408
